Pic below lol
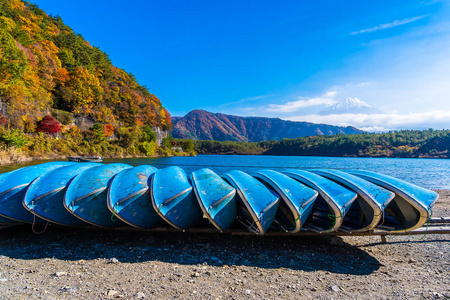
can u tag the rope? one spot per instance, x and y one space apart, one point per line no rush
333 218
426 228
300 213
34 221
112 215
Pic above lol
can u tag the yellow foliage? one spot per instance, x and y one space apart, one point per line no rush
85 86
7 24
16 4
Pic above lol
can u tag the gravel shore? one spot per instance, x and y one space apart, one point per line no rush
67 263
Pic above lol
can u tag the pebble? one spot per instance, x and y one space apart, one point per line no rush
112 293
196 274
59 274
139 295
113 261
70 289
335 288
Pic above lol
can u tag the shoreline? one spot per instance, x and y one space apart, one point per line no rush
16 159
71 263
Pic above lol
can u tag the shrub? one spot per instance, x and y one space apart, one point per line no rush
49 125
3 120
14 138
148 148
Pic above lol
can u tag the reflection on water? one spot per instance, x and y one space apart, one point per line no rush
429 173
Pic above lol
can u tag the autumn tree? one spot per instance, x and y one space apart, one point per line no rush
108 130
3 120
49 125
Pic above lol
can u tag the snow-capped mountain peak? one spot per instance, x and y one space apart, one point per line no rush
350 106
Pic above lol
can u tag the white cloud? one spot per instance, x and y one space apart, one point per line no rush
293 106
389 25
437 119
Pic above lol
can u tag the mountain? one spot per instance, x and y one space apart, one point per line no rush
350 106
46 67
204 125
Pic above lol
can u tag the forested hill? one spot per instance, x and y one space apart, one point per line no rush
45 65
406 143
204 125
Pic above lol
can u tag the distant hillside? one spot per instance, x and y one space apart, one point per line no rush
203 125
406 143
45 65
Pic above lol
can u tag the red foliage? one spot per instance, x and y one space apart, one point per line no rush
108 130
48 124
3 120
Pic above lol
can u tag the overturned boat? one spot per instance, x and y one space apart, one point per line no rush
366 213
297 200
129 198
216 198
410 208
257 205
332 205
290 202
173 198
86 195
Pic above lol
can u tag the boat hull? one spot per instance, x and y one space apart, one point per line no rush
372 200
173 198
129 197
412 204
86 195
259 203
45 195
331 207
13 187
296 197
216 198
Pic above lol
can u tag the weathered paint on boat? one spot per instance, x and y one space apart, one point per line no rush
216 198
420 200
258 200
45 195
173 198
129 197
14 185
338 199
86 195
372 199
297 197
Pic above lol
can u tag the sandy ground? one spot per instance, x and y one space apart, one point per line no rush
67 263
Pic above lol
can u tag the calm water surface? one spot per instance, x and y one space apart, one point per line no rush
429 173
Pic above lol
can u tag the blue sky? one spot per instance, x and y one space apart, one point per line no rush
286 59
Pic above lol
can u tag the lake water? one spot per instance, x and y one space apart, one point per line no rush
428 173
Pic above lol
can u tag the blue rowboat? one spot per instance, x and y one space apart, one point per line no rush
216 198
366 212
411 206
331 205
257 204
45 195
297 199
13 186
129 197
86 195
173 198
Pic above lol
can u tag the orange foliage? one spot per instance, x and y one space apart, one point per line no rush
138 122
62 76
108 130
